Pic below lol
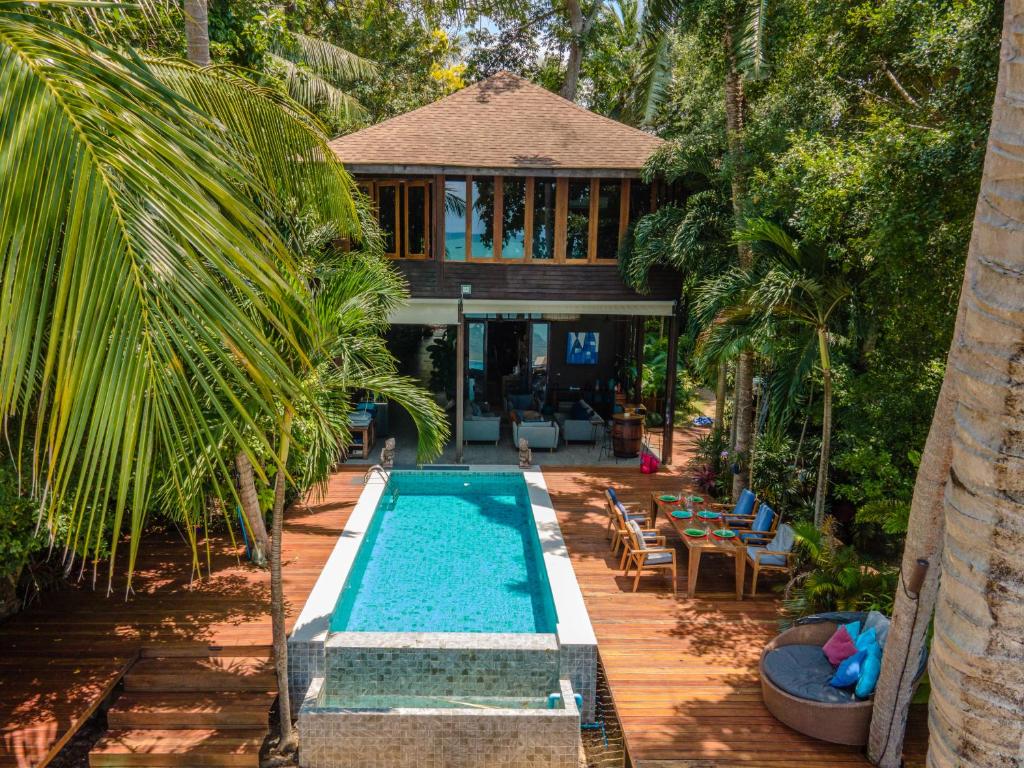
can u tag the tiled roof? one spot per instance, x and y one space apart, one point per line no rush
503 122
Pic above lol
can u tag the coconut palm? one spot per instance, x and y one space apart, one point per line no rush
967 511
794 286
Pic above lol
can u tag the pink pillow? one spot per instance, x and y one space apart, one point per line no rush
839 647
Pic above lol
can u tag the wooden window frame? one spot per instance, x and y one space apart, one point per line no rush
397 185
406 186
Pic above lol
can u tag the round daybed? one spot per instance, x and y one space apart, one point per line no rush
794 683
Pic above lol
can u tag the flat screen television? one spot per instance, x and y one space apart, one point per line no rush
581 348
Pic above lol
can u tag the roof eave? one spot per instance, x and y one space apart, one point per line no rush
462 170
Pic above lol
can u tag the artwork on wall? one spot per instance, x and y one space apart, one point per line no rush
582 348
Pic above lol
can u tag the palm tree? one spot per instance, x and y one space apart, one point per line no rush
197 32
794 286
967 511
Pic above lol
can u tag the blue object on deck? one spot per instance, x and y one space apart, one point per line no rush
245 536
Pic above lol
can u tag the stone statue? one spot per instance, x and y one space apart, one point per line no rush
387 453
525 454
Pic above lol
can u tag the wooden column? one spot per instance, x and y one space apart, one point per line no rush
437 241
460 383
638 356
670 388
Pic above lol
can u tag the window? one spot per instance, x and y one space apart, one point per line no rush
578 225
639 200
387 215
455 219
513 218
417 219
483 218
609 212
477 338
544 196
539 341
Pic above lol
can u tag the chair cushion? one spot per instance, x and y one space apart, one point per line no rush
765 559
745 503
763 520
635 527
658 558
839 647
804 672
579 411
785 538
849 671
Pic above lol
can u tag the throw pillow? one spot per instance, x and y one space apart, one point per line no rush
866 640
880 624
849 671
839 647
531 416
869 672
854 629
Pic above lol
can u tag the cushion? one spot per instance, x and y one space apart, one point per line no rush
763 520
854 629
779 560
635 527
614 497
849 671
657 558
785 538
804 672
839 647
530 415
579 411
745 504
878 622
869 672
866 641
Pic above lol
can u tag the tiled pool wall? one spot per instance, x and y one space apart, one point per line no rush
438 738
575 645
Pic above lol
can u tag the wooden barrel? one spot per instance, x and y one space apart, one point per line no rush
627 434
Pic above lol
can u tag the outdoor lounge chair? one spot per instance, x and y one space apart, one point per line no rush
770 553
645 558
629 511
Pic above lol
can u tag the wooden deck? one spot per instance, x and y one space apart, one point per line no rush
682 671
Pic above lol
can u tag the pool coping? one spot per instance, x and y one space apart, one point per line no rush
573 627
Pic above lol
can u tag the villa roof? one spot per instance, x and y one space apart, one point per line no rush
504 123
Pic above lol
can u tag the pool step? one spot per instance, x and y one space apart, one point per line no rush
201 748
205 673
187 710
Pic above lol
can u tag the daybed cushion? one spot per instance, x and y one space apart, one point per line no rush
839 647
804 672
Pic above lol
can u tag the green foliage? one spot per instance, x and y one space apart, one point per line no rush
19 538
711 462
833 577
778 479
442 358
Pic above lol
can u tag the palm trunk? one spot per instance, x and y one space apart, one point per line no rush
280 635
259 540
735 108
976 672
720 396
197 32
580 25
821 490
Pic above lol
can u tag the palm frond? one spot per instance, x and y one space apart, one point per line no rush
282 145
124 246
314 92
751 42
331 61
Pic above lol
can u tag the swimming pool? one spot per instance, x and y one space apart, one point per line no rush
449 552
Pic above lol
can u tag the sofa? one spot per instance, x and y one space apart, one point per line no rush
580 424
538 434
481 429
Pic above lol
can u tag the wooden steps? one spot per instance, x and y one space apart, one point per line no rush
153 748
180 711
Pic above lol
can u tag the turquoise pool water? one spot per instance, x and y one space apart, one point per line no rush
448 552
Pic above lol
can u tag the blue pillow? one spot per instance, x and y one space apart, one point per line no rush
866 639
853 629
615 498
849 671
869 672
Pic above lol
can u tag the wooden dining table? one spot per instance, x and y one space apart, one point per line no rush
696 547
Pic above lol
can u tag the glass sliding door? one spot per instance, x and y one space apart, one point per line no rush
577 241
545 193
455 219
540 336
609 211
417 219
513 218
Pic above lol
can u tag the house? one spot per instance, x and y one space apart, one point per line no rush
504 205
